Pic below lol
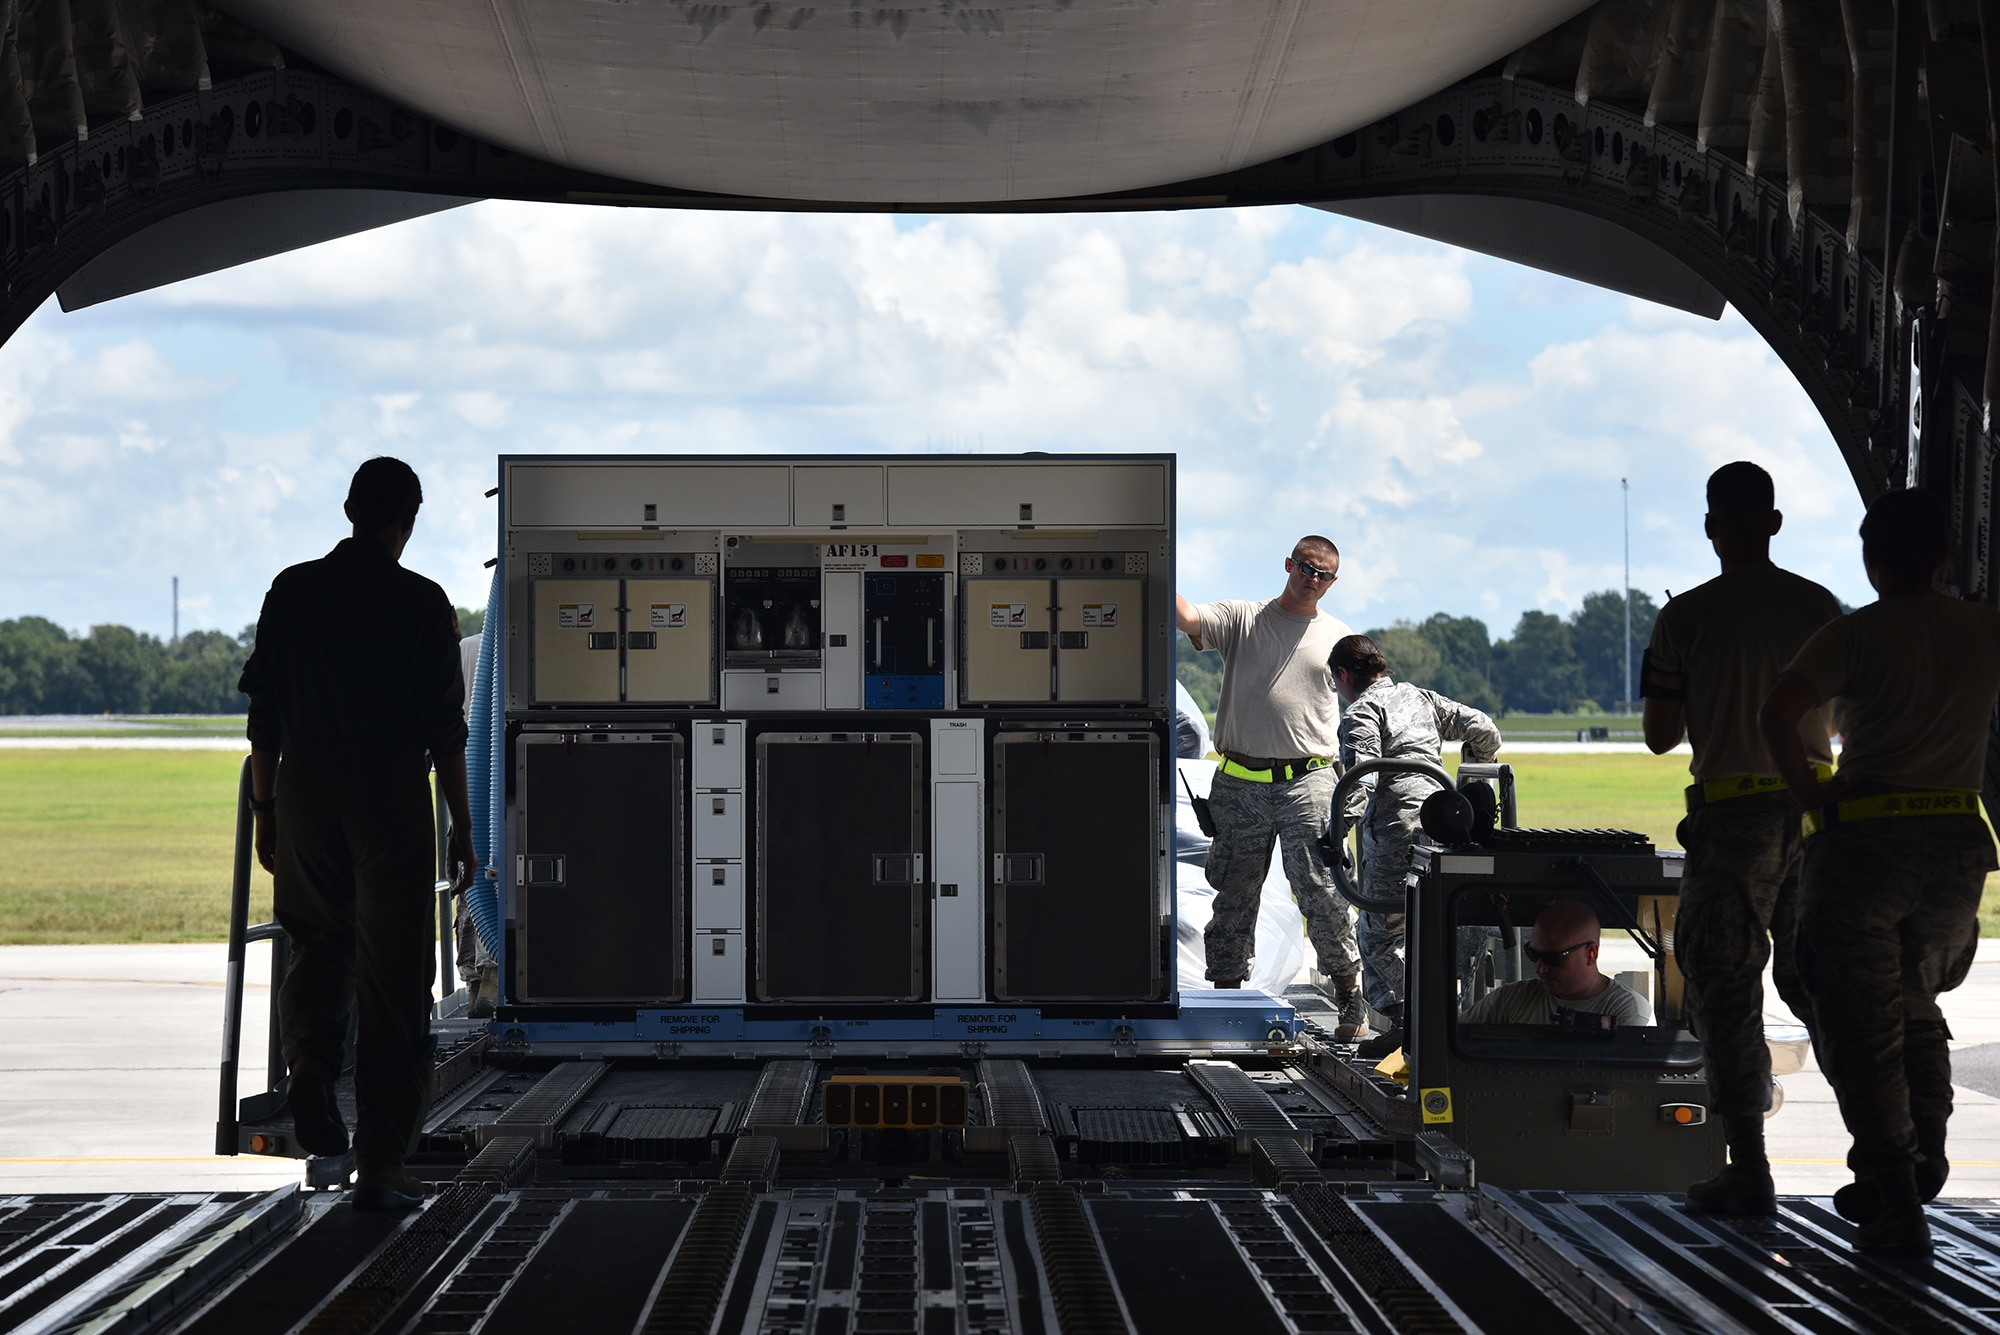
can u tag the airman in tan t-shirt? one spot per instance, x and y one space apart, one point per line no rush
1715 653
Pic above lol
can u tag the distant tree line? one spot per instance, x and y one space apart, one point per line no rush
1549 665
116 670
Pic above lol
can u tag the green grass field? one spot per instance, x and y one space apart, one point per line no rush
1623 792
135 845
119 846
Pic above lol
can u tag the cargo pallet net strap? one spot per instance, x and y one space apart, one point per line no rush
483 756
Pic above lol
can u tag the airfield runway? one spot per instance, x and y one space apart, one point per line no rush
108 1061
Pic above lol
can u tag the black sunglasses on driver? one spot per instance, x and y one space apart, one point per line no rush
1553 957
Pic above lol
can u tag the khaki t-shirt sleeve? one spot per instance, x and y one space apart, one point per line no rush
1221 626
1664 651
1630 1008
1826 659
1484 1010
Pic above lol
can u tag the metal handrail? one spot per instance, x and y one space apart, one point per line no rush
446 919
240 933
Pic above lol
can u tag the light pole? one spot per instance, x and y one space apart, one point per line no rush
1625 494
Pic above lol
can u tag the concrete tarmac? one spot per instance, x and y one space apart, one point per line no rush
109 1057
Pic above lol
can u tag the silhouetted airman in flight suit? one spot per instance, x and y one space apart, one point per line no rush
355 692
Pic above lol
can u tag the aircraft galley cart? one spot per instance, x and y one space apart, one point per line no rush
842 751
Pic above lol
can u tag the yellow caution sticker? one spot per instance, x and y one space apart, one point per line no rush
1436 1104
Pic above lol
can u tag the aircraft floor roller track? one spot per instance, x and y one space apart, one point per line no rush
1248 1196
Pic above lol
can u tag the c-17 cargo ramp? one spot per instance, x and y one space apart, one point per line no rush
1109 1195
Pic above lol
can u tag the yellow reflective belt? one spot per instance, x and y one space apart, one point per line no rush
1748 785
1883 805
1236 771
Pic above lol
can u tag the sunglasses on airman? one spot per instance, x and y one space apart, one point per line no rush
1553 957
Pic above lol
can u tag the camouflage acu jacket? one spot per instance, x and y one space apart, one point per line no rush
1395 719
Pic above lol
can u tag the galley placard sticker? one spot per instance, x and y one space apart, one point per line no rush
839 556
576 616
1100 616
1008 616
670 616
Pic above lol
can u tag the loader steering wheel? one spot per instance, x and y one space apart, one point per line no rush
1333 844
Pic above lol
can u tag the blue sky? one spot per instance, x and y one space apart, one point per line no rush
1457 424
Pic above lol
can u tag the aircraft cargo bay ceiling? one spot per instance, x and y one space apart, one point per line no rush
1786 157
920 103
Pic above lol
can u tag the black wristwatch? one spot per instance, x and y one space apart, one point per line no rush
268 804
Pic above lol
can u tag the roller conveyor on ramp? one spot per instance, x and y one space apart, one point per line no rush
1060 1257
1232 1196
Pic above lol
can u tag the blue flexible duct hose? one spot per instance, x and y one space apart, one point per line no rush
483 755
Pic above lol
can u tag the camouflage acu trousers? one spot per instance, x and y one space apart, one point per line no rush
1248 817
1385 861
471 952
1888 919
1739 905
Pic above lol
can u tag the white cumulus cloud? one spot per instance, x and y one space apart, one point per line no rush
1312 374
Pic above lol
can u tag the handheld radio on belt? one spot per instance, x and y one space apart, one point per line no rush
1202 816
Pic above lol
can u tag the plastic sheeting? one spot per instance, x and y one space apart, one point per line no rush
47 56
1281 932
1735 67
1680 75
1621 54
483 756
1191 739
1871 44
1812 57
